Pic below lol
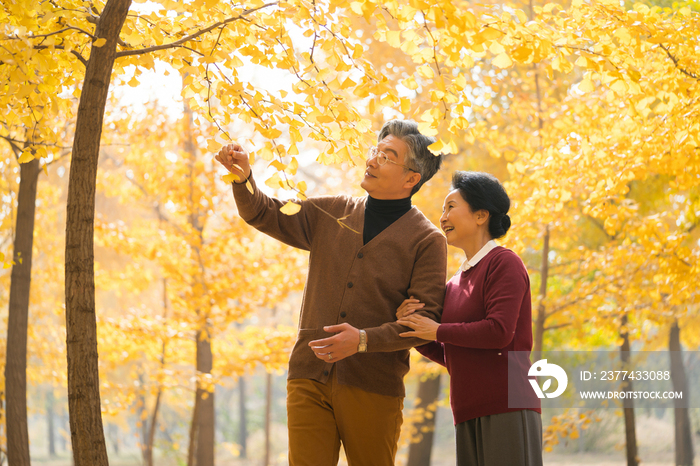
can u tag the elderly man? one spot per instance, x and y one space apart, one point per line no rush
347 388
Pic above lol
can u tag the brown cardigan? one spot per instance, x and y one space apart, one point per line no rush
362 285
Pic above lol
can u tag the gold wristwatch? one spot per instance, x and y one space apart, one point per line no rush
362 347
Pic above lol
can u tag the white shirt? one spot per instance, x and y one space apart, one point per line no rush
468 264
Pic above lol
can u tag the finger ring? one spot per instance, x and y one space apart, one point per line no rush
330 356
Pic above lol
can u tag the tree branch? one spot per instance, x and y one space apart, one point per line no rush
15 148
677 64
60 47
19 141
179 43
552 327
36 36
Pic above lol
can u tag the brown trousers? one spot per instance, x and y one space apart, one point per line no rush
321 417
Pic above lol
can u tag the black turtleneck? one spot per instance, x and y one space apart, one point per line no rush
380 213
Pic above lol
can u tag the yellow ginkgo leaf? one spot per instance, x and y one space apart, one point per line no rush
249 186
99 42
405 105
290 208
586 86
503 61
26 156
436 147
230 178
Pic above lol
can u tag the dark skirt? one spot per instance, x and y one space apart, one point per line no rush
507 439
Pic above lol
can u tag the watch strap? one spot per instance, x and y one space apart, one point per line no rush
362 347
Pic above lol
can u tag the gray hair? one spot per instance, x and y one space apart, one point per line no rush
419 158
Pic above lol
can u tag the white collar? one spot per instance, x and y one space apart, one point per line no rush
468 264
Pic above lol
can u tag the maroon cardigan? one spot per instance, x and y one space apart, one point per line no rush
487 313
361 284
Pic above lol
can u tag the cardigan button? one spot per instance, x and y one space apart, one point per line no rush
349 284
325 373
359 255
343 314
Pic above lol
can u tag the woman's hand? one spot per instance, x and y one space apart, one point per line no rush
408 307
423 327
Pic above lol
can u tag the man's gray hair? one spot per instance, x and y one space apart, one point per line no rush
419 158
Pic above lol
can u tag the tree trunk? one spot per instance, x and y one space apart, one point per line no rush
203 429
18 318
541 317
87 433
113 435
64 423
628 403
428 393
201 452
50 421
192 450
243 422
149 433
149 429
268 418
682 427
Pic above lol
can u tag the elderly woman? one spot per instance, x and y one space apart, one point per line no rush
487 314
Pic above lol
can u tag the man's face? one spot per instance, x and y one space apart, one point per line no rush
389 181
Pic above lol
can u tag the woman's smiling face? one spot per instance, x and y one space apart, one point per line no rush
459 223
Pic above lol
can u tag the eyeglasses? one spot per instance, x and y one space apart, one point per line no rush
382 158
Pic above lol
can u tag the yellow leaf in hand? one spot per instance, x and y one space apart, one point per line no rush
290 208
249 186
230 178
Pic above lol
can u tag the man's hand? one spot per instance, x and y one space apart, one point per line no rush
235 158
423 327
341 345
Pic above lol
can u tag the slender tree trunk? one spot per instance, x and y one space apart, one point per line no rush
63 432
201 452
541 317
428 392
113 435
202 433
192 450
149 429
628 403
544 268
149 433
243 422
682 427
268 418
18 318
87 433
50 421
